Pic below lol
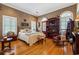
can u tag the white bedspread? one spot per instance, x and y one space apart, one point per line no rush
30 38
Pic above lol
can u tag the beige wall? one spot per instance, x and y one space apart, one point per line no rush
4 10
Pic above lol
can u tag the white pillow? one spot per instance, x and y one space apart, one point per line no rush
23 30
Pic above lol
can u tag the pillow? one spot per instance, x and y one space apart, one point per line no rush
23 30
10 33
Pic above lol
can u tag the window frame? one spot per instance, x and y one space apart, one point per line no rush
10 17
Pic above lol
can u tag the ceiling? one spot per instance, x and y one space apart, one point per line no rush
38 9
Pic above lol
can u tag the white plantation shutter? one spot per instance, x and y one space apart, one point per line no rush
9 24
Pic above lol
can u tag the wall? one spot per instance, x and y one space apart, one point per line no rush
56 13
5 10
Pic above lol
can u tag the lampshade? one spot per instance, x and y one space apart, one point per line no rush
44 19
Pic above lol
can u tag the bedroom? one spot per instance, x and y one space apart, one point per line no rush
30 29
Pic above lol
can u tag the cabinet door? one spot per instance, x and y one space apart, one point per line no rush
76 44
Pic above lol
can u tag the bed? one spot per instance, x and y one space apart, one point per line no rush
30 37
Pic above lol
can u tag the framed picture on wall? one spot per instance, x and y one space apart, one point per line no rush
24 24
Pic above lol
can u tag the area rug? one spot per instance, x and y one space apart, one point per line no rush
8 51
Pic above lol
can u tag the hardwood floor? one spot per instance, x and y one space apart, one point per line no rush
40 48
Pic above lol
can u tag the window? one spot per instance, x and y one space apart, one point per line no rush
64 18
33 26
9 24
63 24
44 19
43 26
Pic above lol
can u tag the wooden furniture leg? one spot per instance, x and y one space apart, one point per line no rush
9 45
2 46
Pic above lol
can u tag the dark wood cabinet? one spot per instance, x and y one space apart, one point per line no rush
70 25
76 44
70 29
52 27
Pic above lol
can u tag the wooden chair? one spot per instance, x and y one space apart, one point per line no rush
12 35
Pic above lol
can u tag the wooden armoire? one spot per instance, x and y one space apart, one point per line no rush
52 27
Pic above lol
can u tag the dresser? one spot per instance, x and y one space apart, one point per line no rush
76 44
52 27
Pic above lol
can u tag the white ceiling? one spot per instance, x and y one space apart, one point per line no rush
38 9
